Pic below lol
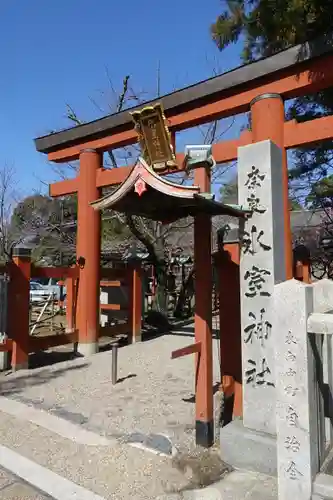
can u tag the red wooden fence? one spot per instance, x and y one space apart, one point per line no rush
21 270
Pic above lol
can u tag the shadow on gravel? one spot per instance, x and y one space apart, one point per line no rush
122 379
11 386
150 333
46 358
155 326
107 344
191 399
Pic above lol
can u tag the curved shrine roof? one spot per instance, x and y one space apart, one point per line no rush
146 194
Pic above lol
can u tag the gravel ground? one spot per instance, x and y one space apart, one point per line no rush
117 472
12 488
154 395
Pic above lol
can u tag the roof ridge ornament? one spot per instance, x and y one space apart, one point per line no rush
154 138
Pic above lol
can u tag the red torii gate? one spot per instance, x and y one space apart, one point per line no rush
260 87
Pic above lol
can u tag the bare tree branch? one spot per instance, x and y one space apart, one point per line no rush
122 96
71 115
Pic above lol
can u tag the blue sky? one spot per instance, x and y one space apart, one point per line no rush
57 52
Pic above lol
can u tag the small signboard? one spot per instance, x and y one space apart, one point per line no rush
154 138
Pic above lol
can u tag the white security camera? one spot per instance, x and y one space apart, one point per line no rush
199 156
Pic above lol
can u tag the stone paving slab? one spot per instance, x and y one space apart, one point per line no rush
13 488
238 485
41 479
245 485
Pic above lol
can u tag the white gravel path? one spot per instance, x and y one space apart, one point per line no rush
154 394
115 473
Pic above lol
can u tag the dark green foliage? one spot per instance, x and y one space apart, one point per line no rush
229 194
48 225
113 228
321 194
267 27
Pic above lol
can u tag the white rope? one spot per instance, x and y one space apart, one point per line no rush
41 313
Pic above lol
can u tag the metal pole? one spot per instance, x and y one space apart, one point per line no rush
114 363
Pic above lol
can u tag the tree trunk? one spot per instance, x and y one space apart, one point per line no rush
184 292
156 256
160 302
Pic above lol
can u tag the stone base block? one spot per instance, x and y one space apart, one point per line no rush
245 449
323 487
87 350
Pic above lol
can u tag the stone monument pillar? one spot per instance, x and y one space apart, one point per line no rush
298 416
262 265
251 443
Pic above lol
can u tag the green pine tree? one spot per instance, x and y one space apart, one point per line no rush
269 26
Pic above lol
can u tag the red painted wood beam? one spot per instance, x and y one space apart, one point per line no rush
114 274
295 134
42 343
112 176
184 351
18 308
135 302
88 246
6 346
289 84
55 272
110 307
111 331
110 283
110 142
222 151
310 132
61 188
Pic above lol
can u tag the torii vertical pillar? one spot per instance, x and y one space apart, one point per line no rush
204 425
230 323
88 248
267 122
19 303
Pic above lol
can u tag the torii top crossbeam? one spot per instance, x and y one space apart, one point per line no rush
300 70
